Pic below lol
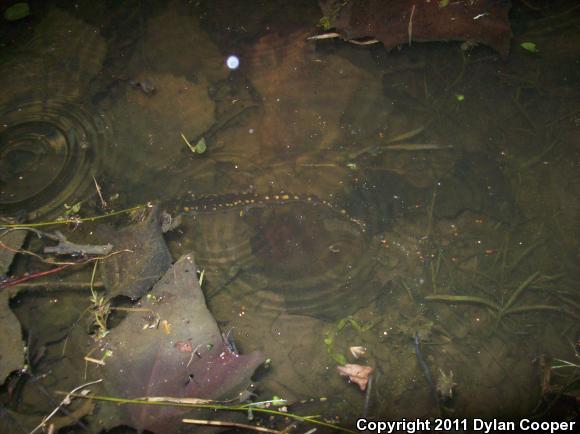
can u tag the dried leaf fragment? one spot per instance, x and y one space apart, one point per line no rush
358 374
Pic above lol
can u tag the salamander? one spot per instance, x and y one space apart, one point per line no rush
244 201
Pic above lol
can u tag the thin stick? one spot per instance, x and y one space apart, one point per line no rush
430 215
93 274
62 266
65 401
410 26
189 145
392 140
32 276
51 285
231 424
330 35
369 42
98 187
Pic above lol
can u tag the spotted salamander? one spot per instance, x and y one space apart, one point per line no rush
244 201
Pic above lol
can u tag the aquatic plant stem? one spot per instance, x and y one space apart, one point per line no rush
229 424
74 221
537 307
517 293
32 276
242 408
64 402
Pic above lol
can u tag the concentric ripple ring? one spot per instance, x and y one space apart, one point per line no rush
48 155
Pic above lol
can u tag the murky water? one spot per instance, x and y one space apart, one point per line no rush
349 196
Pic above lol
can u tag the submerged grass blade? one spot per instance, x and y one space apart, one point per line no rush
518 292
464 299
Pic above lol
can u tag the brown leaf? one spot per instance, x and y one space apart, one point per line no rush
358 374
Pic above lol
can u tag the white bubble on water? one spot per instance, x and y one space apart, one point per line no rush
233 62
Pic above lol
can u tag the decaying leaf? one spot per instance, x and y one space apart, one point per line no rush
402 21
11 336
133 273
192 362
357 374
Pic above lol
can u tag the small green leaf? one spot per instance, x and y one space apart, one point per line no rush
529 46
339 358
459 97
328 340
443 3
276 400
342 324
200 146
356 325
72 209
17 11
324 23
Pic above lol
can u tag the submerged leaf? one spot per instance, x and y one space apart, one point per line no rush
529 46
324 23
135 271
17 11
150 363
201 146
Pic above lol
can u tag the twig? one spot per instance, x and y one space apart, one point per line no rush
32 276
189 145
62 266
65 401
51 285
231 424
103 202
65 247
430 215
368 397
392 140
410 26
329 35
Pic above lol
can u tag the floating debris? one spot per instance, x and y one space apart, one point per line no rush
358 352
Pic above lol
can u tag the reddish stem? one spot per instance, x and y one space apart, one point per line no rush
19 280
